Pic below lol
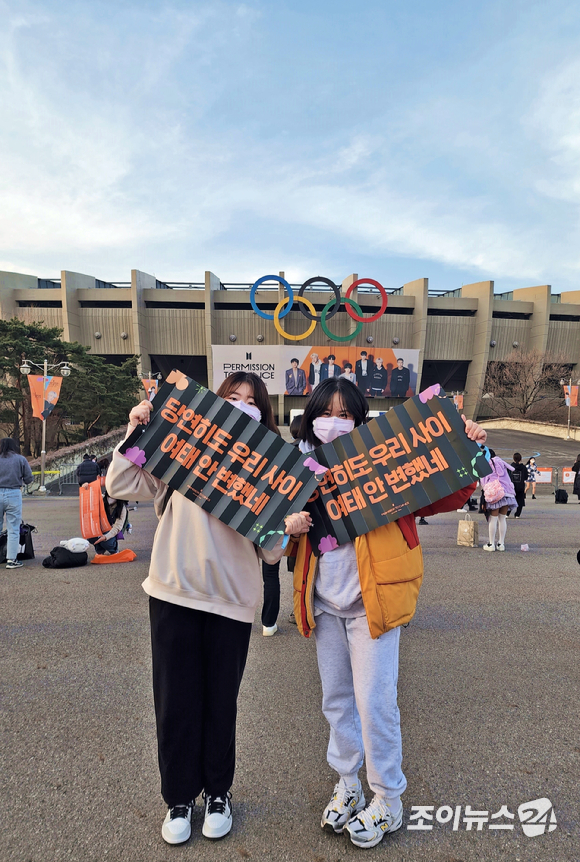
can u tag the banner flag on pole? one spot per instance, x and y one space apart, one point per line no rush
571 396
150 386
44 393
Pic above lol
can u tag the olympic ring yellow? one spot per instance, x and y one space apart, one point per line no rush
279 308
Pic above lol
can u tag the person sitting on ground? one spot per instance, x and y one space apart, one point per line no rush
88 470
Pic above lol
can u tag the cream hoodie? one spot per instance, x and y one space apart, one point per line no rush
196 561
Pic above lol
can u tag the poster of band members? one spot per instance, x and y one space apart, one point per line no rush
297 370
247 476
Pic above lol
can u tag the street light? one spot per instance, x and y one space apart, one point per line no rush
25 368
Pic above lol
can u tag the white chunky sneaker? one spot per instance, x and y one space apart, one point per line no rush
500 546
346 801
218 815
268 631
370 826
176 827
489 547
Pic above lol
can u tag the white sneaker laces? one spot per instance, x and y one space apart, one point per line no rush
379 809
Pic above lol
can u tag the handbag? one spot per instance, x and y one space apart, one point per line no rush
468 532
25 545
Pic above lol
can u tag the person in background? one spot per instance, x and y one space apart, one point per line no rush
503 500
314 371
354 600
329 369
14 473
364 370
532 469
204 587
348 373
576 469
379 379
103 466
400 379
519 479
295 379
88 470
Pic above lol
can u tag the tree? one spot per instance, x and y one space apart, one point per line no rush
526 385
97 395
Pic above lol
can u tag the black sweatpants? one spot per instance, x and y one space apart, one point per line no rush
271 606
198 664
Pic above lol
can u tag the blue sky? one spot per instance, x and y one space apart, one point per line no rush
395 140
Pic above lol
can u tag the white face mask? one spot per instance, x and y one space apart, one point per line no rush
250 409
328 428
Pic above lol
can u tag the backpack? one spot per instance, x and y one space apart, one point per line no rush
561 496
493 491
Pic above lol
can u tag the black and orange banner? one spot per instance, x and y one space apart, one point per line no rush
226 462
44 393
401 461
248 477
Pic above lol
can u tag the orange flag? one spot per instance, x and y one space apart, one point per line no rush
571 396
44 393
150 386
92 510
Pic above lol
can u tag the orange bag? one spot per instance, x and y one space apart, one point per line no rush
94 520
125 556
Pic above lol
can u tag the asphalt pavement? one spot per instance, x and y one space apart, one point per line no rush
488 692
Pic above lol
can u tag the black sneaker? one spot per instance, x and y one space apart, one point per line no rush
218 815
176 827
14 564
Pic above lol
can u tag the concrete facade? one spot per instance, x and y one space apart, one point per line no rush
174 325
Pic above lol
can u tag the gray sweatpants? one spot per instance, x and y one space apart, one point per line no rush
359 699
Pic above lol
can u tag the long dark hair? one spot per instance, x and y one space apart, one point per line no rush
259 391
351 399
8 445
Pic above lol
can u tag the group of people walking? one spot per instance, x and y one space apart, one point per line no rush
204 587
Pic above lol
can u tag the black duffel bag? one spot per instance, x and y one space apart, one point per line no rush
62 558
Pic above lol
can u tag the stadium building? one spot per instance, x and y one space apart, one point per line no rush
175 325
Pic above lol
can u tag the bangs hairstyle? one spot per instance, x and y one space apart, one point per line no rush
351 399
261 397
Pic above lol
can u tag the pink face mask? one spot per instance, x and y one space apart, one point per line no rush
328 428
250 409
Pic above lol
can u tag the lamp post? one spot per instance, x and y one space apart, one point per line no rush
25 368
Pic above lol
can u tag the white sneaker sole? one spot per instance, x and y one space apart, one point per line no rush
268 631
378 838
179 838
329 827
210 832
490 548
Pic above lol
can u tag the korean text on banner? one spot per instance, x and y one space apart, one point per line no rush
398 463
217 456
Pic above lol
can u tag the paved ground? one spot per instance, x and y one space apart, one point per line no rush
488 694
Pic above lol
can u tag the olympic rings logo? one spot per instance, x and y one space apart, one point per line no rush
309 312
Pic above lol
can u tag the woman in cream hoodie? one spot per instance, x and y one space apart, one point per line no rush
204 586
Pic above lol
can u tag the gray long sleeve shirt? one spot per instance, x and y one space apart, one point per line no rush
14 471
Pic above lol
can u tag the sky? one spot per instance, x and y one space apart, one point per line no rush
393 140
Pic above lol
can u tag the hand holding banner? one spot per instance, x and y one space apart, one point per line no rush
249 478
